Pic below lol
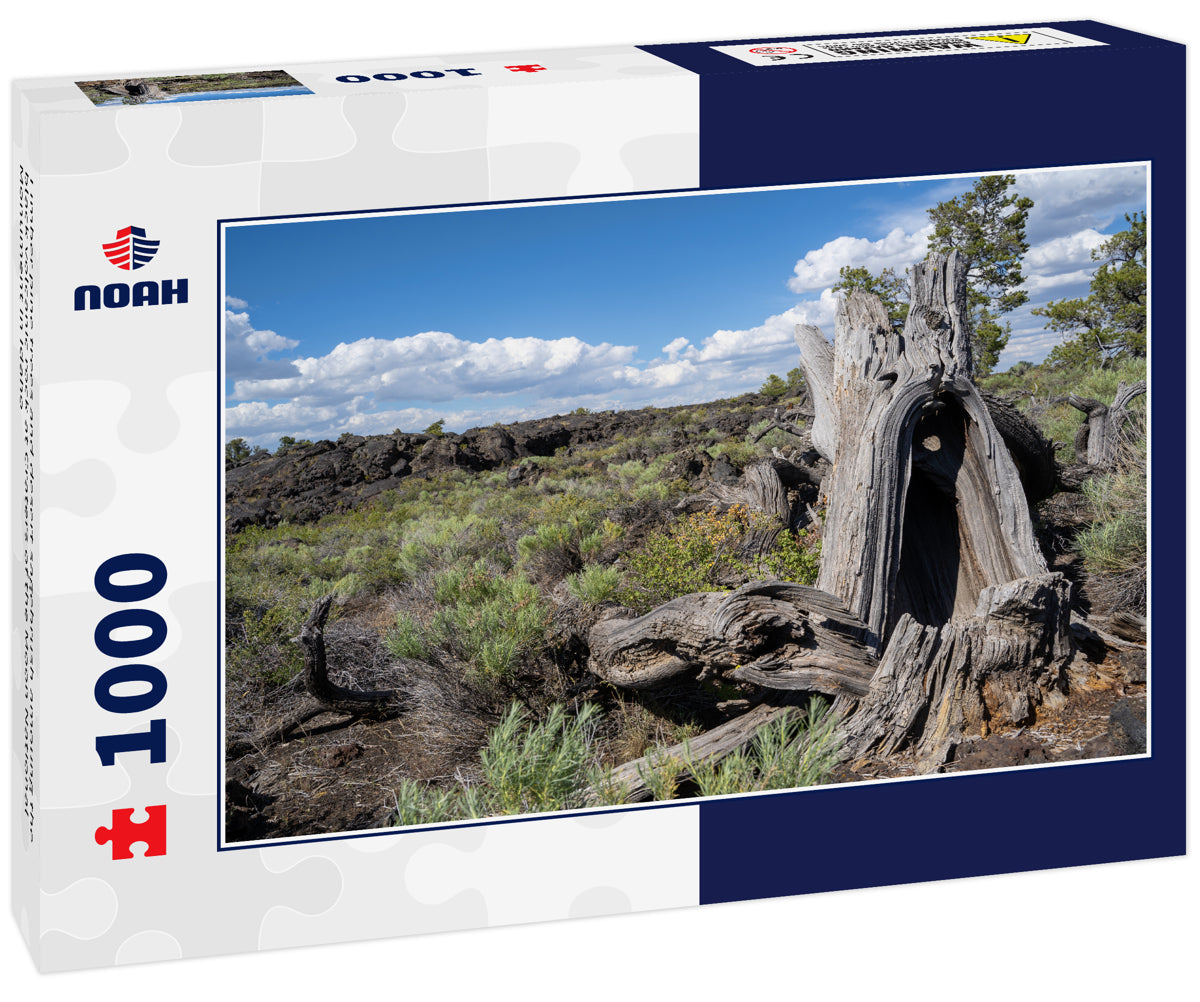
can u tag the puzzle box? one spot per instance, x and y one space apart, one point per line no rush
465 452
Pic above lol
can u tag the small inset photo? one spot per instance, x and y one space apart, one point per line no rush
192 87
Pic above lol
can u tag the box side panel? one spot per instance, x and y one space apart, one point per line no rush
26 840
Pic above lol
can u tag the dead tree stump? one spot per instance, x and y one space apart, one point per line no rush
1100 433
328 695
931 584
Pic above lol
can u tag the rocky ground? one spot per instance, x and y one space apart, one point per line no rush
311 481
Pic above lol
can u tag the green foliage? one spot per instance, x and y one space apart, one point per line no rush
581 410
595 585
793 751
987 225
661 772
699 553
237 450
558 544
406 640
527 767
437 429
491 622
538 767
774 387
1115 542
1111 322
264 652
892 289
287 443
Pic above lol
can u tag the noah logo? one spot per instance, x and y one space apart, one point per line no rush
131 250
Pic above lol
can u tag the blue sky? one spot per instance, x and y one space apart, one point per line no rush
368 324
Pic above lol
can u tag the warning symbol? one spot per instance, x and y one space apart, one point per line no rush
1014 39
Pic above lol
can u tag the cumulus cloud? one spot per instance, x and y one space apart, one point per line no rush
233 303
247 350
1065 261
437 366
435 375
1071 200
676 346
819 268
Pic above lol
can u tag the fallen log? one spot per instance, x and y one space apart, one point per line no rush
707 749
779 634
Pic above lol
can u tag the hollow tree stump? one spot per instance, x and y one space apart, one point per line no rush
927 535
931 586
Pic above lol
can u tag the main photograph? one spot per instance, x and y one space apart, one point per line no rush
568 505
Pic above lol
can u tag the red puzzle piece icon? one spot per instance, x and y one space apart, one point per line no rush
124 832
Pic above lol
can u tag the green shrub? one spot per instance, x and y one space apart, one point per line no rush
699 553
406 640
538 767
493 624
527 768
660 772
265 651
1113 546
796 749
595 585
773 387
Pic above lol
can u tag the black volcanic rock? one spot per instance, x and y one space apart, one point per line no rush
307 482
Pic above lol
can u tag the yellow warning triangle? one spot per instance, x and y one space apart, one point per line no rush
1015 39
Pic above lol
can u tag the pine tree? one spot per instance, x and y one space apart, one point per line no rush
987 225
1111 322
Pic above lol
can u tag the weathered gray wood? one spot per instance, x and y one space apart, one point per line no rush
331 698
1129 626
816 359
926 508
1032 453
708 748
787 422
1100 434
316 671
243 744
775 633
937 684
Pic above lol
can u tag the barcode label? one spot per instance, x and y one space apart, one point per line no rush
898 46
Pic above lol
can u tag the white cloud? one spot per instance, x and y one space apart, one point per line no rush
437 366
1067 201
1072 250
676 346
437 375
818 269
1061 262
236 304
246 350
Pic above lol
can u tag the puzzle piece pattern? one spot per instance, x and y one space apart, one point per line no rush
148 446
560 866
125 832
